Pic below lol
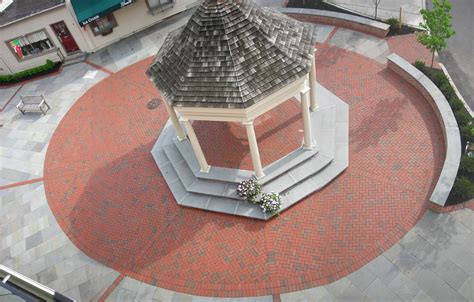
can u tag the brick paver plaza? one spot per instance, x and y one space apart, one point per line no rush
111 201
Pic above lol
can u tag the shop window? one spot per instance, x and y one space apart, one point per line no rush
159 5
31 45
104 25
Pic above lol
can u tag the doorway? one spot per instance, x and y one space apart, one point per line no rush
67 40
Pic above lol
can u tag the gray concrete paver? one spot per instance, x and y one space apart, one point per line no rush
386 9
361 43
362 278
378 291
385 270
431 263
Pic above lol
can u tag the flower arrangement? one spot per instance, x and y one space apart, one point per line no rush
249 190
270 202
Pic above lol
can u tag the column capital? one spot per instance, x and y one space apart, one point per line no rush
305 89
248 123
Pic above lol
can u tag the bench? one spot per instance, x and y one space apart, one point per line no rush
33 103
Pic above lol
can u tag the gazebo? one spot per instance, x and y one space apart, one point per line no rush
233 62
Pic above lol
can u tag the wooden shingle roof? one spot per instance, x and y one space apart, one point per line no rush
231 54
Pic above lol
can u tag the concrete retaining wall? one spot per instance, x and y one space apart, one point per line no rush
365 25
446 119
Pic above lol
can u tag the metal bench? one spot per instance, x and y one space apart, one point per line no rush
33 103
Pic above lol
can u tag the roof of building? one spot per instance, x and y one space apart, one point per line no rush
231 54
20 9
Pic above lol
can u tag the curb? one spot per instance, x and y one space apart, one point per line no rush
458 94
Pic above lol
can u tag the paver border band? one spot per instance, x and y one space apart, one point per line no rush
366 25
446 119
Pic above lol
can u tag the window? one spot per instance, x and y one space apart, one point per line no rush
104 25
159 4
31 44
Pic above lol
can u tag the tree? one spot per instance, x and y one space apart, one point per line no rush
376 3
437 25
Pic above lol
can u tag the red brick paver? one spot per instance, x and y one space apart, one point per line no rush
278 132
110 198
410 49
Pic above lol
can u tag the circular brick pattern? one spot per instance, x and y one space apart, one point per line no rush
111 200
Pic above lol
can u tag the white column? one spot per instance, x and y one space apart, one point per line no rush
257 165
174 120
308 136
312 84
196 146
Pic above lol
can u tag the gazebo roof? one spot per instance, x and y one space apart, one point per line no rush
231 54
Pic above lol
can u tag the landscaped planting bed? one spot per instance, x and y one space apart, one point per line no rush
463 188
47 68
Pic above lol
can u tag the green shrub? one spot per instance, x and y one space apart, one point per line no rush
463 188
455 103
420 65
466 167
27 73
447 90
467 133
462 117
393 22
439 79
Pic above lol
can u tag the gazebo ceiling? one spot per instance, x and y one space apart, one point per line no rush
231 54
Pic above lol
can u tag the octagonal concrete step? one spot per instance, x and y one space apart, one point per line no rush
220 188
271 171
306 175
282 174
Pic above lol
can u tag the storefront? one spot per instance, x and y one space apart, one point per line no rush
108 21
33 32
65 29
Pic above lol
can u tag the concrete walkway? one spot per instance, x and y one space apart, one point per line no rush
434 261
386 9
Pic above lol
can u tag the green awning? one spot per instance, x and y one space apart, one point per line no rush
90 10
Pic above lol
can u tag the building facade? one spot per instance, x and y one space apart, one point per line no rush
59 30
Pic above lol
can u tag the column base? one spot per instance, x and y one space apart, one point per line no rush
206 170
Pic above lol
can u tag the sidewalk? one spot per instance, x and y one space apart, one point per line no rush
387 8
432 262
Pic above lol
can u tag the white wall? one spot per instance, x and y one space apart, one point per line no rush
132 18
32 24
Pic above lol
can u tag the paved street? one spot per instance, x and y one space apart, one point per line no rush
378 241
459 57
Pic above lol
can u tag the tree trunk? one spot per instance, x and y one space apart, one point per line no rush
432 58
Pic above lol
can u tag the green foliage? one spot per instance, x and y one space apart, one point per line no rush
420 64
393 22
466 167
463 117
16 77
467 132
439 79
437 25
463 188
455 103
447 90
